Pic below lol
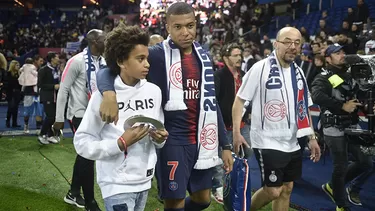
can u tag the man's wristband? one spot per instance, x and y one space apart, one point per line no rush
228 147
313 137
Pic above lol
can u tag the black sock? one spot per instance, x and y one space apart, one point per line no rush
39 124
26 120
193 206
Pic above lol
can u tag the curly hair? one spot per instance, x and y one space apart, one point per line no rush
120 42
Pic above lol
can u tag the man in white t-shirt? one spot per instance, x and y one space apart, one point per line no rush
275 86
370 45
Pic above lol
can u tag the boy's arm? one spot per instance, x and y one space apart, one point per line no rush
88 141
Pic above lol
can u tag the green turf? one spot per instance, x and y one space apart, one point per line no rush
28 181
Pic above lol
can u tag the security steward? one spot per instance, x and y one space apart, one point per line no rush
335 91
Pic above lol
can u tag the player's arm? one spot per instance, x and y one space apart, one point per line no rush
106 81
69 75
159 137
108 108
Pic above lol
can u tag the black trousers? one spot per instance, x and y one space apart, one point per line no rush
342 171
12 112
50 111
83 171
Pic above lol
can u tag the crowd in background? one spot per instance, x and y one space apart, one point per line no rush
219 23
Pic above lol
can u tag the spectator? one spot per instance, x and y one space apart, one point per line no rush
345 27
325 16
28 80
253 36
362 12
348 44
227 82
266 44
155 39
266 52
48 83
351 16
3 66
324 27
370 45
323 35
13 93
319 64
305 34
315 48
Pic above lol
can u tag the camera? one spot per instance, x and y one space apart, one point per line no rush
362 70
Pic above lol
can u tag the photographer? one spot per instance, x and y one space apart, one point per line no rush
335 92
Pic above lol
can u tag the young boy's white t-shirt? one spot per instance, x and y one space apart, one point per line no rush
96 140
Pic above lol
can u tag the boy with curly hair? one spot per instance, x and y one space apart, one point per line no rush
125 155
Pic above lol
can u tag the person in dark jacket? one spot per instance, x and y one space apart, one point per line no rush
48 84
227 82
319 64
13 93
335 91
2 79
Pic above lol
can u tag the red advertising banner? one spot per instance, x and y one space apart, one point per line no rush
44 51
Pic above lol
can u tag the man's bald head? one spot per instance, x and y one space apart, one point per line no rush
155 39
94 34
95 39
287 31
288 44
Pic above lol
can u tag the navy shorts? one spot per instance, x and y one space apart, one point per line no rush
278 167
176 173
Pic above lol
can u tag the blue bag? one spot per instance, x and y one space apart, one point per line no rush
237 186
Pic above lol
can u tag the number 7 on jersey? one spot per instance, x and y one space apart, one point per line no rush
174 165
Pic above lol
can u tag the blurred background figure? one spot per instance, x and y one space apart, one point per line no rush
28 79
13 93
155 39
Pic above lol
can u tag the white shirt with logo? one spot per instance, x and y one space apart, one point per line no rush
250 91
96 140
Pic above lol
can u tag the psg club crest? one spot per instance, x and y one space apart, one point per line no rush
275 110
301 108
173 186
208 137
272 177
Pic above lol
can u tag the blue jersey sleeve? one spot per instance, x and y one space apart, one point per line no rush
105 80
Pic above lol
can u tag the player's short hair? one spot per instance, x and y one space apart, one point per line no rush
51 55
120 42
179 8
37 57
